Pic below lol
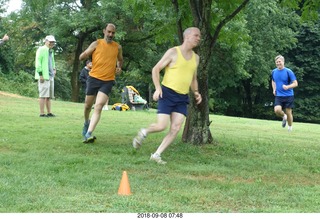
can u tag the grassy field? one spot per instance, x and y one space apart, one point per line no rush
253 166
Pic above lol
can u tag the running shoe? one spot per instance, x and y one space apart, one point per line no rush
137 141
157 158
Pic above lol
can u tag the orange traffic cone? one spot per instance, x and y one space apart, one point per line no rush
124 188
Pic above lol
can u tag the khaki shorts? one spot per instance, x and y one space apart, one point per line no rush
46 89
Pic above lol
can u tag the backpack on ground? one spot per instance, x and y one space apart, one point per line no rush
120 107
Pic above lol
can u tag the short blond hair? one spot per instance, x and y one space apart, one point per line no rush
279 57
188 31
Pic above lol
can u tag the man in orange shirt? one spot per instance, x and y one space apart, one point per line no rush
107 61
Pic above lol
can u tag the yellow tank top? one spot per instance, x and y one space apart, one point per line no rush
104 60
179 76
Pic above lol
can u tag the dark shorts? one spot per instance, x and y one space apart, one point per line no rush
284 102
95 85
171 101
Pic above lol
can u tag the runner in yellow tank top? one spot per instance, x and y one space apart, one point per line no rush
180 75
106 62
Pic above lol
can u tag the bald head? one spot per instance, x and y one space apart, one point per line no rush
111 25
109 32
189 31
191 37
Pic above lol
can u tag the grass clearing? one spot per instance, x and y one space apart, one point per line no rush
253 166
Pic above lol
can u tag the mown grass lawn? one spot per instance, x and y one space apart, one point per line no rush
253 166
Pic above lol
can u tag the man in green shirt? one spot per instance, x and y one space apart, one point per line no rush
44 73
5 38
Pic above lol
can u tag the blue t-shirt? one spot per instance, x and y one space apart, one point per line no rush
281 77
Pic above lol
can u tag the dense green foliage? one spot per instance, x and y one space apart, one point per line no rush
254 165
21 83
305 59
238 69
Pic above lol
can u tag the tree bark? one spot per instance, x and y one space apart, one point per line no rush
76 64
75 70
247 103
75 85
197 127
179 20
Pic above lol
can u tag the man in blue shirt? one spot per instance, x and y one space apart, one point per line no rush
283 82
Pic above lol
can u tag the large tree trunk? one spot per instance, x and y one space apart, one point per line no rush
197 126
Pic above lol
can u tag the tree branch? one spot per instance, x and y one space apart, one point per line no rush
226 20
195 10
179 21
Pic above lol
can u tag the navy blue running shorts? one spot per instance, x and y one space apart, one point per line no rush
171 101
284 102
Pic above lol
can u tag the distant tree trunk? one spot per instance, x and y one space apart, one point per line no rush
76 64
197 126
75 85
247 105
76 69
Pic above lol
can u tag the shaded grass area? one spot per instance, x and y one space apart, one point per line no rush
253 166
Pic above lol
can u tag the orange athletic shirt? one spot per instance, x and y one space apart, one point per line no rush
104 60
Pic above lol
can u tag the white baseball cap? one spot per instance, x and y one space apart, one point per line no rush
50 38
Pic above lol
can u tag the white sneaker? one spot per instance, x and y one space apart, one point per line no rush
156 157
137 141
284 120
289 128
105 107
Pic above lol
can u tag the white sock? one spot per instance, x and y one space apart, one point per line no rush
144 132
